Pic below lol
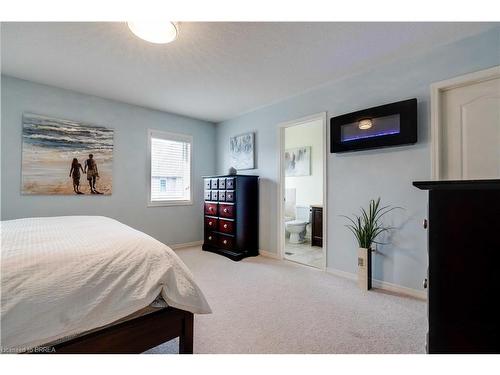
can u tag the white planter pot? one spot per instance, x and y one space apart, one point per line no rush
364 269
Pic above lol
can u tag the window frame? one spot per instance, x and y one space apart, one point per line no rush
152 133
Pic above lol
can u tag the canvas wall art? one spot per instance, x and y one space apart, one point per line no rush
241 149
298 161
65 157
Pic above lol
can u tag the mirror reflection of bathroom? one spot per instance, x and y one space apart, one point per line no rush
303 200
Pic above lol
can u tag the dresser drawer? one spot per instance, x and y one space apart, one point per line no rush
222 183
208 195
211 222
229 195
211 238
222 196
226 242
214 183
226 226
226 210
211 208
208 183
215 195
230 183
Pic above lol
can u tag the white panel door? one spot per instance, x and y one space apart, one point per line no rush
470 133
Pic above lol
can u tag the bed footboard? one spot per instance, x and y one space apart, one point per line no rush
136 335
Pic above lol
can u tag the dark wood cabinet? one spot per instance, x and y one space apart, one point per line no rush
231 213
464 260
317 226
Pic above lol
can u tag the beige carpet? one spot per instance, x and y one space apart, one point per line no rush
261 305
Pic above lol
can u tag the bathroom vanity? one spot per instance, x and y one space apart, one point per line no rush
317 225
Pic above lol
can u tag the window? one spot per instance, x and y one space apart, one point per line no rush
170 182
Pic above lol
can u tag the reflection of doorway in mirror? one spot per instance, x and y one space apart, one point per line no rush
302 182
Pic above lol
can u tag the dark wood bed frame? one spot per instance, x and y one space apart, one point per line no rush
135 336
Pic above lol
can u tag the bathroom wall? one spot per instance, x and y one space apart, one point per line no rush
309 189
128 203
355 178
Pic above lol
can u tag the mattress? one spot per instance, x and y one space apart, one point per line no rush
61 276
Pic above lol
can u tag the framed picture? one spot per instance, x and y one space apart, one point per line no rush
64 157
241 150
298 161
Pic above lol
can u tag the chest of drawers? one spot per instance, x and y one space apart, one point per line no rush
464 255
231 213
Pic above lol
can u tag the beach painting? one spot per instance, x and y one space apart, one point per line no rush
241 149
298 161
64 157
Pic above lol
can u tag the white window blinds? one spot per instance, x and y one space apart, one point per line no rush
170 167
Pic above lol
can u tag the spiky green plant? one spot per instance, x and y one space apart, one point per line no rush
367 226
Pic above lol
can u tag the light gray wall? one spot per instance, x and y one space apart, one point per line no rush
171 225
355 178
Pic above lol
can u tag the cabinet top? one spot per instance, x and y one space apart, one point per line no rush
231 175
458 185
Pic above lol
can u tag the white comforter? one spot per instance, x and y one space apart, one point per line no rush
66 275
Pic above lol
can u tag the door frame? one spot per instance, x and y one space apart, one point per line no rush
437 90
321 116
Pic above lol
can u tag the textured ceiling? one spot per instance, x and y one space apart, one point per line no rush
213 71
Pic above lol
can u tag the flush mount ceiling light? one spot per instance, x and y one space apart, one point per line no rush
154 31
365 124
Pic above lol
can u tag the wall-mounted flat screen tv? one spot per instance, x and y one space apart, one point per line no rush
383 126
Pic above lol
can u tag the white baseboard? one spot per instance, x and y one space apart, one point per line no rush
415 293
187 244
384 285
344 274
268 254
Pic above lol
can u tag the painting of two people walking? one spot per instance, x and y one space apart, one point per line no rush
65 157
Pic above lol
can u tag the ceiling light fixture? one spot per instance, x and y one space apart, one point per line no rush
365 124
155 32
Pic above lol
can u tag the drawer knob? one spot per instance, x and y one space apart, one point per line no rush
210 208
225 225
210 238
225 210
210 223
224 242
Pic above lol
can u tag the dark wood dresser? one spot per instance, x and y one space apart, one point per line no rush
317 226
464 266
231 215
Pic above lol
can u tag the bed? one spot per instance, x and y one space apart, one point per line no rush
90 284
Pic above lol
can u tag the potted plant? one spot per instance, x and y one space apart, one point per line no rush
366 228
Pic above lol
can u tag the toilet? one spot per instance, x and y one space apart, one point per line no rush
297 227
